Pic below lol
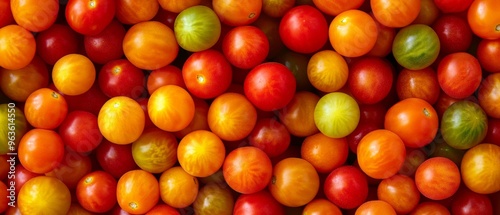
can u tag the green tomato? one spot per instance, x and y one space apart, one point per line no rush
197 28
13 127
464 125
416 46
336 114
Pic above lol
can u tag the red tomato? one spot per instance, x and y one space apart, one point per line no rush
459 40
19 84
303 29
121 78
21 176
370 79
237 13
421 84
353 33
96 192
437 178
121 120
395 13
166 75
163 209
201 153
34 15
271 136
487 52
45 108
56 42
137 191
375 207
90 101
493 134
400 192
90 17
44 194
131 12
178 188
453 6
455 83
115 159
106 45
488 95
346 187
245 46
483 19
466 202
171 108
64 78
6 17
72 168
19 47
80 132
324 153
259 203
361 130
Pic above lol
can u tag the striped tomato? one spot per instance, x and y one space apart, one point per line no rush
416 46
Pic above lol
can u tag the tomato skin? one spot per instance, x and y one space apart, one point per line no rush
63 74
96 192
449 6
488 95
44 194
453 42
429 12
45 108
271 136
171 108
393 13
89 17
214 198
370 79
56 42
155 151
493 134
437 178
416 46
478 168
459 84
194 35
327 71
421 84
248 52
41 150
261 202
121 78
346 187
334 8
121 120
487 52
166 75
177 6
237 13
115 159
430 207
106 45
137 191
321 206
375 207
201 153
483 19
163 209
298 114
178 188
6 16
340 121
35 15
400 192
466 202
324 153
19 47
131 12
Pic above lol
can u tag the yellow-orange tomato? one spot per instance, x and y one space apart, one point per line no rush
375 207
324 153
171 108
44 195
321 206
132 12
137 191
150 45
327 71
18 47
395 13
201 153
176 6
298 115
237 12
121 120
73 74
479 168
35 15
353 33
178 188
335 7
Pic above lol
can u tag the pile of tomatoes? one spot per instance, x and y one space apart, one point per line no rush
250 107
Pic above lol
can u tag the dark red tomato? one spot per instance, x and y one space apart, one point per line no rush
6 16
90 101
260 203
89 17
493 133
56 42
271 136
115 159
467 202
304 29
106 45
207 74
347 187
72 168
270 86
373 113
370 79
452 78
452 6
166 75
421 84
488 53
21 176
166 17
80 132
245 46
454 33
96 192
121 78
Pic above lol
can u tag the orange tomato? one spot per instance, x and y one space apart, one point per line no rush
137 191
395 13
489 96
484 19
121 120
375 207
236 12
400 192
18 47
19 84
430 207
353 33
45 108
324 153
479 168
176 6
73 74
335 7
132 12
35 15
171 108
383 45
321 206
41 150
178 188
298 115
201 153
44 195
150 45
327 71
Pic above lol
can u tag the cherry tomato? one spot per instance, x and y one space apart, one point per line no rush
34 15
400 192
19 84
346 187
197 28
237 13
483 19
375 207
106 45
19 47
121 78
370 79
394 13
430 207
487 51
467 202
421 84
178 188
262 203
137 191
115 159
271 136
44 194
41 150
155 151
131 12
453 42
321 206
416 46
248 52
488 97
66 81
327 71
45 108
171 108
121 120
340 121
89 17
353 33
437 178
298 114
324 153
166 75
201 153
176 6
72 168
214 198
56 42
277 9
478 171
96 192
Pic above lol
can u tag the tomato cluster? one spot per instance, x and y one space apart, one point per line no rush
250 107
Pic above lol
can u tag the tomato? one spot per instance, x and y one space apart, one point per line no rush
361 130
478 168
340 121
207 74
163 209
488 96
214 199
271 136
430 207
370 79
166 75
237 13
294 183
66 81
439 148
21 176
197 28
277 9
270 27
90 101
34 15
6 16
55 42
177 6
19 47
464 124
247 169
467 202
353 33
483 19
80 131
346 187
459 84
493 133
115 159
394 13
96 192
375 207
89 17
5 201
327 71
334 8
448 6
171 108
132 12
137 191
150 45
121 78
72 168
245 46
487 51
298 115
324 153
45 108
421 84
416 46
121 120
303 29
77 209
231 116
321 206
201 153
44 194
400 192
178 188
15 127
385 36
437 178
262 203
200 119
155 151
106 45
40 150
429 12
453 42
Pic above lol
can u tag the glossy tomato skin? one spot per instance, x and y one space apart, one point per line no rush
421 84
89 17
448 6
324 153
400 192
214 198
6 14
115 159
327 71
437 178
303 29
416 46
237 13
155 151
477 170
271 136
63 74
493 133
298 115
487 51
131 12
106 45
96 192
166 75
72 168
206 33
488 97
466 202
346 187
41 150
44 194
340 121
137 191
22 175
121 78
375 207
483 19
246 53
45 108
430 207
171 108
121 120
459 84
178 188
453 42
261 202
80 131
19 48
35 15
56 42
395 14
370 79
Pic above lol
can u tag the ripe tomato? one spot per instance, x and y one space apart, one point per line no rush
19 84
400 192
324 153
121 78
488 95
55 42
207 74
155 151
247 169
245 46
346 187
430 207
237 13
453 42
5 201
298 114
214 198
484 20
375 207
340 121
18 47
353 33
449 6
259 203
106 45
150 45
321 206
493 133
395 13
171 108
327 71
121 120
416 46
459 84
370 79
96 192
44 194
41 150
89 17
437 178
478 168
201 153
6 17
429 12
65 79
487 52
45 108
35 15
385 36
72 168
178 188
197 28
303 29
132 12
200 119
295 182
271 136
277 9
137 191
421 84
22 175
115 159
467 202
176 6
163 209
334 8
166 75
